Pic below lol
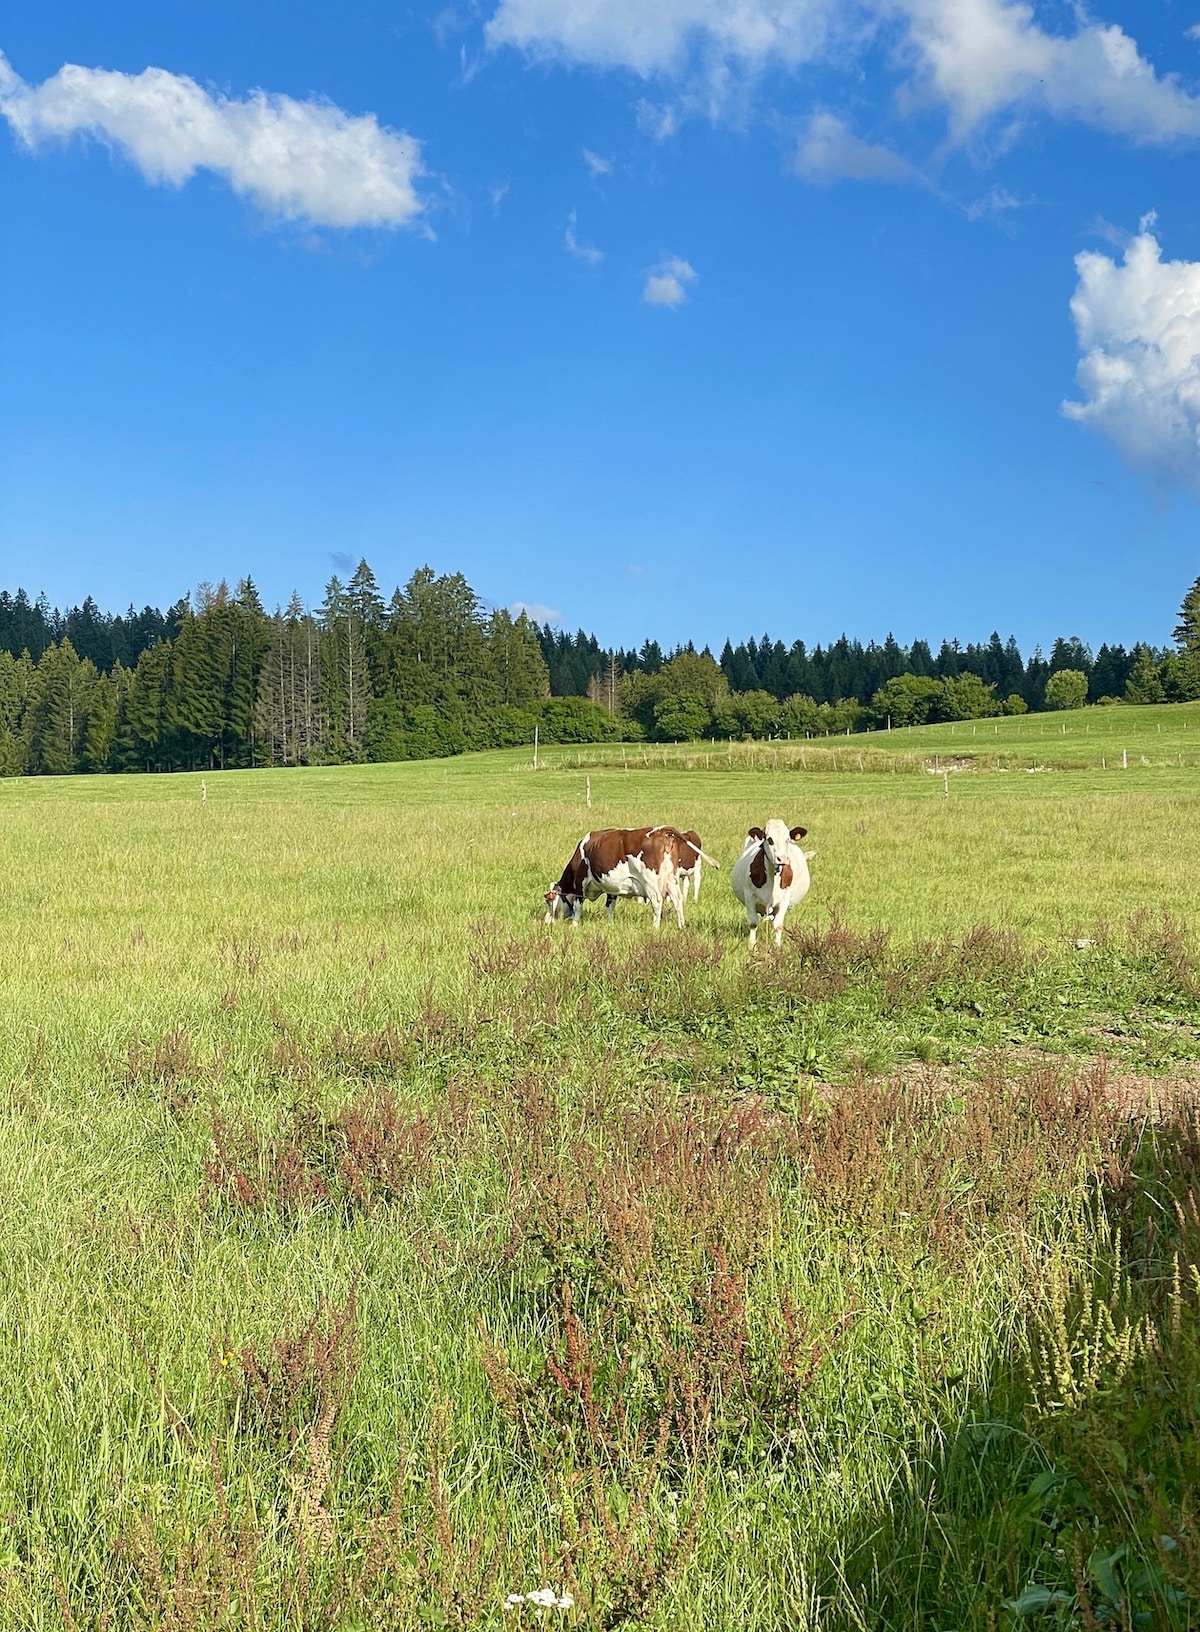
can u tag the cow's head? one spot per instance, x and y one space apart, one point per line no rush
775 841
558 904
776 838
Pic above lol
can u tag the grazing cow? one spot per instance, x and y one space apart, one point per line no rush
642 862
771 875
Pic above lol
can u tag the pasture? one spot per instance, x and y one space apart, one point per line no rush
375 1254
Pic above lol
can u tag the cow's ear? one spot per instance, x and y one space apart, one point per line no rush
799 833
756 833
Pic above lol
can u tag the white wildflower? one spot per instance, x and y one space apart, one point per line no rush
543 1598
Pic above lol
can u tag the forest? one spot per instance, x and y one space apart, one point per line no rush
216 681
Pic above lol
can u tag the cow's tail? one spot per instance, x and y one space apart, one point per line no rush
703 854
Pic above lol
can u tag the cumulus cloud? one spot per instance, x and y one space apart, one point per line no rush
534 611
1138 324
983 57
977 59
300 161
667 283
582 252
829 151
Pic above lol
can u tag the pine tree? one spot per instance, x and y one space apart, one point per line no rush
100 727
345 687
1187 631
1143 684
518 670
248 637
16 680
143 722
56 709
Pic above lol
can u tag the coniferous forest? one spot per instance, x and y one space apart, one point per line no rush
216 681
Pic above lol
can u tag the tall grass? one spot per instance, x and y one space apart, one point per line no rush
374 1253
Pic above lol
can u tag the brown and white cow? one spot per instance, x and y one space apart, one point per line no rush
690 857
771 875
642 862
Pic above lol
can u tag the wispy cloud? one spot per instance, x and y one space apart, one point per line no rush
657 119
996 202
534 611
298 161
828 151
1138 324
979 60
667 283
597 165
587 253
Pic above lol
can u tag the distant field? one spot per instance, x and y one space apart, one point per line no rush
373 1251
1111 738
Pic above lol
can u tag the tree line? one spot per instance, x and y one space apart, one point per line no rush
217 681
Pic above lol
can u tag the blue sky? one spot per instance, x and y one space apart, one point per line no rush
691 320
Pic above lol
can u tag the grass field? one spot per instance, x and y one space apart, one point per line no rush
1102 739
374 1252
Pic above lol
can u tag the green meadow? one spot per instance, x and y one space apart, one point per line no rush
376 1255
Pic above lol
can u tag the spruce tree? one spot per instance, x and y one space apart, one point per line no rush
1143 684
1187 630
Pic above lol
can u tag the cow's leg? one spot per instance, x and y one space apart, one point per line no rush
777 918
610 907
752 919
675 896
654 897
696 879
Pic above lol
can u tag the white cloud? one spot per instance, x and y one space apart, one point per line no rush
596 163
302 161
667 283
656 38
1139 332
982 57
829 151
534 611
976 58
582 252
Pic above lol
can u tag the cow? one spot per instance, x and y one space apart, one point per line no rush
643 862
771 875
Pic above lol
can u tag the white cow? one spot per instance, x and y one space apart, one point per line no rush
771 875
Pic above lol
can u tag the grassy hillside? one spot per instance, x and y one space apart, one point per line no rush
374 1252
1165 735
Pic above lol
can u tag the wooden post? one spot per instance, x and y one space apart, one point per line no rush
1124 759
203 792
588 788
535 747
945 784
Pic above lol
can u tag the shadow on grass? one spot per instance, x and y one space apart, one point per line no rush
1068 1493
